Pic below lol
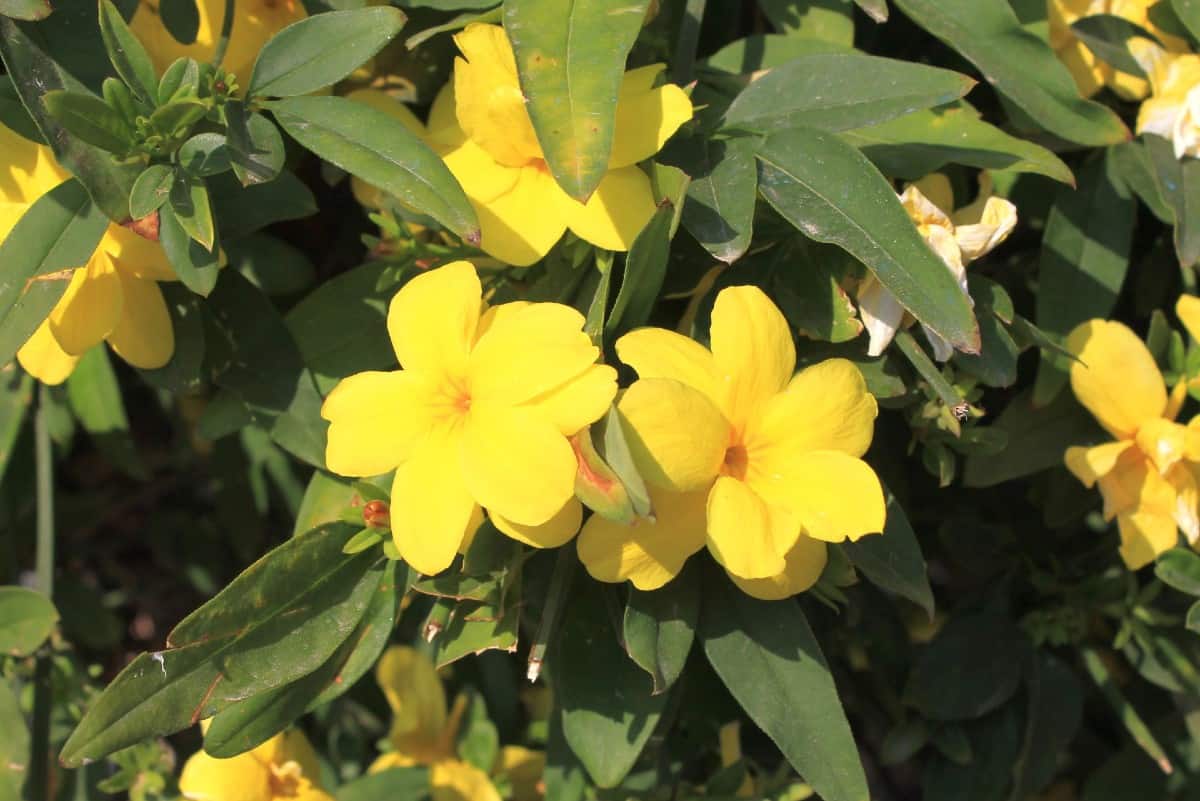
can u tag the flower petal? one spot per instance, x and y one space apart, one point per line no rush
414 692
510 231
528 352
1115 378
615 213
825 407
579 402
805 561
658 353
444 130
881 314
431 508
489 103
144 336
998 221
239 778
1163 442
1145 533
135 255
753 350
746 535
43 359
646 116
29 169
650 552
90 308
516 464
556 531
482 178
1089 465
523 767
432 319
836 496
1183 479
376 419
677 437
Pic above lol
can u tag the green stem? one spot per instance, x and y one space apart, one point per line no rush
928 370
40 766
689 39
226 31
560 584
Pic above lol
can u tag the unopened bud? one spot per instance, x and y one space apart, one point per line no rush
596 485
377 514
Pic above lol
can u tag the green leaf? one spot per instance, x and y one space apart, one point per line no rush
95 398
608 711
242 210
765 653
150 190
176 117
34 72
982 765
840 91
271 264
810 295
660 625
190 205
205 154
26 620
571 60
970 668
29 10
410 784
181 18
58 232
829 191
474 628
719 210
1132 163
645 270
1084 258
196 266
14 746
1108 35
996 363
127 54
893 560
1055 710
828 20
912 146
91 119
255 145
14 116
1179 568
179 81
1021 66
1192 622
1188 12
377 148
321 50
762 51
16 392
1179 183
279 620
249 723
183 372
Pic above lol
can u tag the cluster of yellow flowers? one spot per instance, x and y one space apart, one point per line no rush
760 466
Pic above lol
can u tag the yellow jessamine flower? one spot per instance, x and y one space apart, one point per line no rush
739 455
1173 109
480 126
958 238
423 733
283 768
114 297
1090 73
478 416
255 23
1148 475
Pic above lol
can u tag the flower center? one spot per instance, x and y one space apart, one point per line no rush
287 780
737 460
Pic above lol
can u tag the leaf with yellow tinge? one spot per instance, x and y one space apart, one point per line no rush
571 58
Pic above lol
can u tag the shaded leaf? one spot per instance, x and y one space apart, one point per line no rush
660 625
129 58
645 270
26 620
893 559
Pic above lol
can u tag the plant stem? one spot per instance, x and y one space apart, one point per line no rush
226 31
689 38
560 583
39 768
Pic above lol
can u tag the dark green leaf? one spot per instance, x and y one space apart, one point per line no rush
1179 183
14 747
271 264
255 144
1084 258
912 146
1193 618
1019 64
150 190
660 625
474 628
15 394
829 191
183 372
1055 709
196 265
321 50
126 53
840 91
181 18
244 210
719 210
645 269
996 363
410 784
29 10
89 118
608 711
1188 12
765 652
376 147
904 741
762 51
178 116
26 620
1108 35
993 744
827 20
205 154
811 297
179 81
14 116
95 398
893 559
1132 163
1179 568
571 59
278 621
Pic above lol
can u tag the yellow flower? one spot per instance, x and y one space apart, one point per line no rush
114 297
1173 109
1147 476
284 767
739 455
480 126
1090 73
478 416
255 23
968 234
423 733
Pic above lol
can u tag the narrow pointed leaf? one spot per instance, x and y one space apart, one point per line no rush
1188 12
719 209
893 559
832 193
126 53
571 58
90 119
29 10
